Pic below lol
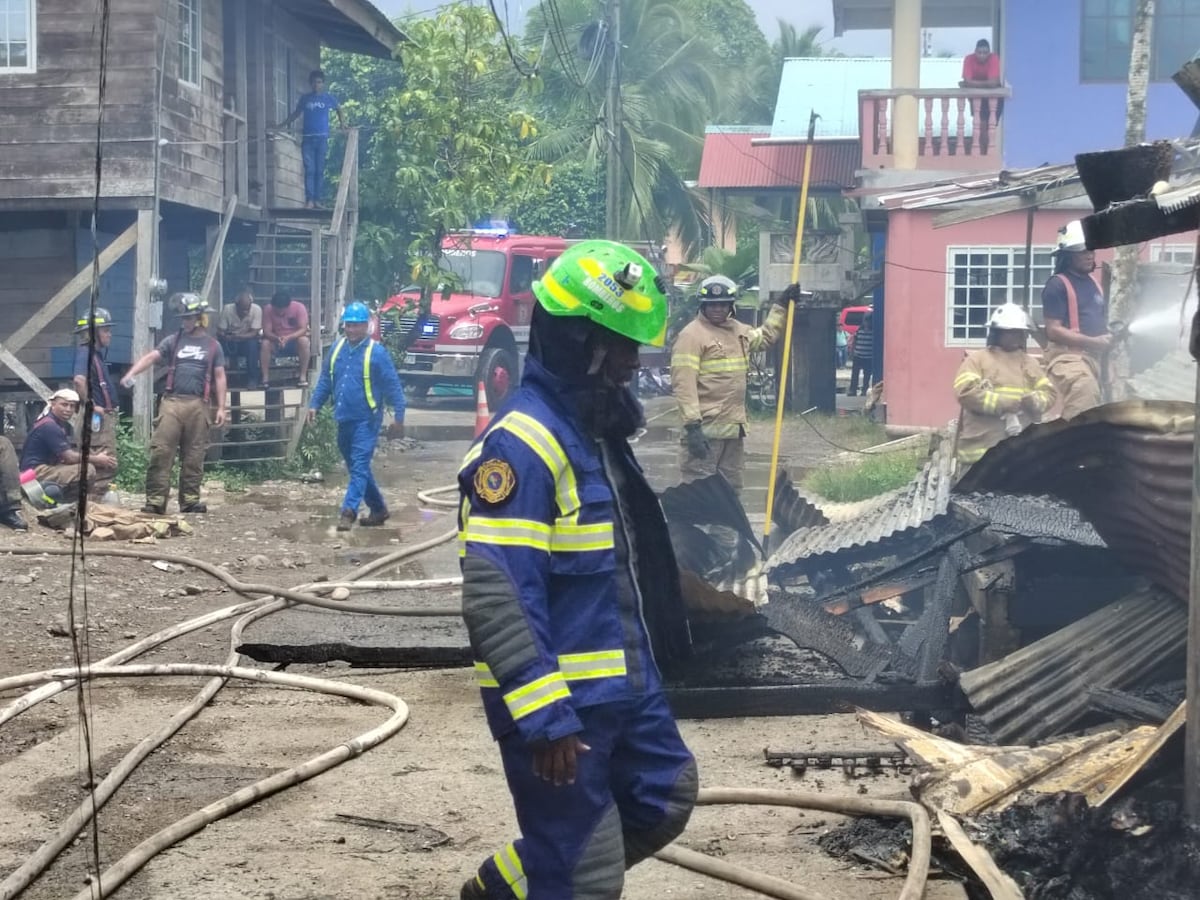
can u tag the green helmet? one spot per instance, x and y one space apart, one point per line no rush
610 284
101 317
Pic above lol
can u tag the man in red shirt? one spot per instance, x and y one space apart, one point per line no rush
284 332
981 69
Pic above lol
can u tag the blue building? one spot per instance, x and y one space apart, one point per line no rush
1067 62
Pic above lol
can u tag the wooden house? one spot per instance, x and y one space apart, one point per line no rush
169 136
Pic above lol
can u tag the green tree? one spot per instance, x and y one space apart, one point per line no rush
570 204
450 144
731 31
671 83
792 43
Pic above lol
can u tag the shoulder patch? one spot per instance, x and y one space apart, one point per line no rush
495 481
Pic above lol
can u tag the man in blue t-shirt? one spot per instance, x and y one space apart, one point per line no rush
315 107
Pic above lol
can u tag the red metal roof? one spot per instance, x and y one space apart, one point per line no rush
731 160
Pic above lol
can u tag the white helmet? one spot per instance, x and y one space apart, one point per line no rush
1070 237
1010 317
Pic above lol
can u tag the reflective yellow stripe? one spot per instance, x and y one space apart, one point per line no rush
536 695
568 537
600 664
484 675
1042 382
685 361
508 864
1010 391
990 401
972 455
558 292
710 366
337 348
572 667
965 378
538 438
507 532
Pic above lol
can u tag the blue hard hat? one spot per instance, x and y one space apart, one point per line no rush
356 312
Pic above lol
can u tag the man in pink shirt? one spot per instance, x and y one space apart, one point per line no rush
285 333
981 69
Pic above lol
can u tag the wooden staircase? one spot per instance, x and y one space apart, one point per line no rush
310 254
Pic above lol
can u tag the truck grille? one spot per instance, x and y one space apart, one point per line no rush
430 329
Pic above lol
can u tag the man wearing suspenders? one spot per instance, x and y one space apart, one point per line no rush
195 384
1076 319
91 380
354 371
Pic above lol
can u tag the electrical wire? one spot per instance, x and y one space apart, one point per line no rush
523 70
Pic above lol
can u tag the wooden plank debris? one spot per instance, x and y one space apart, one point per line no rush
999 885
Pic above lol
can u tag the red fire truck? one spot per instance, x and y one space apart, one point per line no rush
480 330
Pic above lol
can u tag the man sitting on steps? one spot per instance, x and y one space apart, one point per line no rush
284 333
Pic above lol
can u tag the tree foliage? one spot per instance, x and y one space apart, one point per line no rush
570 204
448 143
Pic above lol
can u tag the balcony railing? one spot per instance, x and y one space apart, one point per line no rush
957 128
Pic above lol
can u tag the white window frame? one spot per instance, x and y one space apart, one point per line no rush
1173 254
282 70
30 42
191 54
1007 292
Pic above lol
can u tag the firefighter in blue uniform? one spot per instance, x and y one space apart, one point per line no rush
571 594
354 371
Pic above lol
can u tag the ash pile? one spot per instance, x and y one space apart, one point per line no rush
1035 612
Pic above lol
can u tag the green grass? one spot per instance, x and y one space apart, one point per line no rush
866 478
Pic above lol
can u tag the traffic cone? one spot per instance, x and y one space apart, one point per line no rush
483 415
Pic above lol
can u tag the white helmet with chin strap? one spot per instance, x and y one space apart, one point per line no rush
1070 238
1010 317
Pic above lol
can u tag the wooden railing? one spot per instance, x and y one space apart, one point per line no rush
957 128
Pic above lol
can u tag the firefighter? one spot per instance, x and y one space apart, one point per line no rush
1076 318
193 400
1002 389
92 380
355 368
571 593
708 377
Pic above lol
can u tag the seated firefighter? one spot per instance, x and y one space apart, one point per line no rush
49 452
1002 388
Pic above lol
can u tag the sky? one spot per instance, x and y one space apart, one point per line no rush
957 41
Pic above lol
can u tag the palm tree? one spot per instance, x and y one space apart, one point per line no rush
670 87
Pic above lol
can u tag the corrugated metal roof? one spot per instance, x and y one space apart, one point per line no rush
1171 378
926 498
1126 466
1180 196
830 86
981 187
1042 690
731 160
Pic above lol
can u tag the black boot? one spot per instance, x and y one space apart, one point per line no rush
375 518
11 518
196 507
346 520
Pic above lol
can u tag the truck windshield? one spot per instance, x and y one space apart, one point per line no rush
479 272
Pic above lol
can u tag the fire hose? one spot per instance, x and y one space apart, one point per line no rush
53 681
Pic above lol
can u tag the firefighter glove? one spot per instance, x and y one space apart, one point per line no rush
395 431
793 294
695 440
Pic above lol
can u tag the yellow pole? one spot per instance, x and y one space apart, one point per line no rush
787 334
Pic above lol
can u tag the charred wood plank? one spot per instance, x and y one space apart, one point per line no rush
1128 706
811 699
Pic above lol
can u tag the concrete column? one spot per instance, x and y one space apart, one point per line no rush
906 73
143 387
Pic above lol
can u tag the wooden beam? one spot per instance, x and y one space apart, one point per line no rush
999 884
72 289
218 248
24 373
981 209
1165 732
143 388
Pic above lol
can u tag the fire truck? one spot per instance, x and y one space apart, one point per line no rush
478 331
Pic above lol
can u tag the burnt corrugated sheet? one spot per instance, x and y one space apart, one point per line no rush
1126 466
925 499
1042 690
1171 378
1038 518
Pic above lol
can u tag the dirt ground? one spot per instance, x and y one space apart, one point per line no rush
438 781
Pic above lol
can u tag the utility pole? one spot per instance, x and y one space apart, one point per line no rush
612 124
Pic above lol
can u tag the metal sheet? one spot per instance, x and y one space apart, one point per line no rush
1043 689
1037 518
926 498
1127 467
